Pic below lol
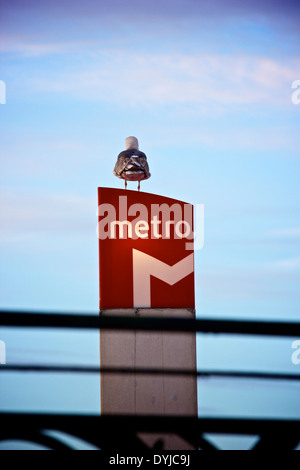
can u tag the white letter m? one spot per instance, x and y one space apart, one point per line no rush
145 266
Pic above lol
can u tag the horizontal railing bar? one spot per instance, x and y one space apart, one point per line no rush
46 320
146 371
81 424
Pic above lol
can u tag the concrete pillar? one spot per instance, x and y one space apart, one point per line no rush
139 394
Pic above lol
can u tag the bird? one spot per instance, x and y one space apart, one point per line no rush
132 164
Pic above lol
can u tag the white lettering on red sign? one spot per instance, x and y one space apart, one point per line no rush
145 266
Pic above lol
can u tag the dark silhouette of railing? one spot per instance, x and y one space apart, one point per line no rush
112 432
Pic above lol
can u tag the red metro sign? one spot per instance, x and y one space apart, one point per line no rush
146 250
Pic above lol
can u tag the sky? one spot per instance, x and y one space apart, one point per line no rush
206 87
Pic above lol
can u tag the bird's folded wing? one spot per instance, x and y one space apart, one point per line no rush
120 165
145 166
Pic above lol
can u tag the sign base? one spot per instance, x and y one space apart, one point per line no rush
149 394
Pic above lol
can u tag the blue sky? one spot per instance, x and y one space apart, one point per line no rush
206 87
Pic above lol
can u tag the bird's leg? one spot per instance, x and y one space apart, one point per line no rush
125 184
139 185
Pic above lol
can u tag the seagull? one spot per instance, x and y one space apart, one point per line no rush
132 164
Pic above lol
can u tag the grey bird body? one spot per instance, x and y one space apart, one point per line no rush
132 164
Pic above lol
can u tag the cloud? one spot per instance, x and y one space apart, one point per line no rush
35 212
269 292
133 78
292 232
289 264
25 47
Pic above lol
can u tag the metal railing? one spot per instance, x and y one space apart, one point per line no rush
272 433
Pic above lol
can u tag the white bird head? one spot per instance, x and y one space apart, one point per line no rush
131 143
